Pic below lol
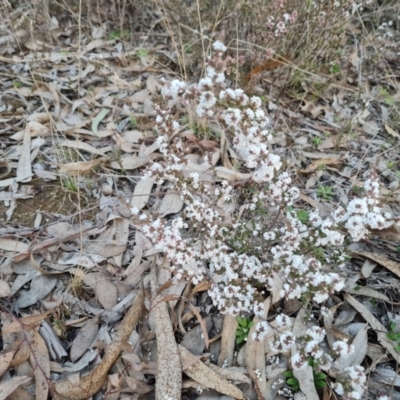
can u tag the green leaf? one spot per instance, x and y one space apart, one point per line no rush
96 121
320 384
287 374
391 335
319 376
392 326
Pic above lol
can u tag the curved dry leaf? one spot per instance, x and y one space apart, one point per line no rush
40 363
91 383
169 377
79 167
379 329
5 360
204 375
8 387
84 339
121 236
315 165
76 144
391 265
26 323
228 341
96 121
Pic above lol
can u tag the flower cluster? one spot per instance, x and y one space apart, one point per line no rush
242 249
364 214
352 384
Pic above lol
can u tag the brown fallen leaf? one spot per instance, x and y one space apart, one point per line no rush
91 383
169 377
315 165
26 323
40 363
79 167
204 375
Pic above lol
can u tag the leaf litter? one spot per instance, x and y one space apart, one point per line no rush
77 279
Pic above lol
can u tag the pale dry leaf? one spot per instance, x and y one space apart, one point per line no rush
360 344
169 377
228 341
91 383
379 329
105 290
77 144
41 286
234 374
13 245
84 339
96 121
204 375
392 132
171 203
130 161
24 168
121 236
231 175
7 387
305 374
4 289
142 193
40 363
255 358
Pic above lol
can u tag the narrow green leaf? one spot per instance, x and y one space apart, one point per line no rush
100 116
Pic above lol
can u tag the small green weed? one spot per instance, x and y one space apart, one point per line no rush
303 216
393 334
118 34
243 329
70 185
142 53
326 192
17 84
317 141
319 377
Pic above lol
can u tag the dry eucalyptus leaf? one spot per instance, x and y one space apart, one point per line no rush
228 341
4 289
207 377
169 377
106 292
41 286
142 193
84 339
40 363
7 387
91 383
379 329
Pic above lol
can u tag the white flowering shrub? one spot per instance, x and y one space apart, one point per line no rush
240 249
